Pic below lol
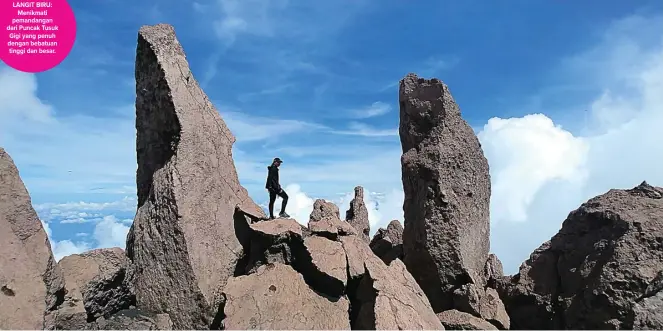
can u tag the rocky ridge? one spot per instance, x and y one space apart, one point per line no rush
200 256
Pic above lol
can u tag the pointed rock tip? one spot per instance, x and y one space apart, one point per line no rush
157 29
413 79
359 192
395 224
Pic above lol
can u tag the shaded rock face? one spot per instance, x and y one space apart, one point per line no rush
133 319
493 269
483 303
458 320
31 283
357 215
446 183
305 279
182 243
599 271
95 284
387 243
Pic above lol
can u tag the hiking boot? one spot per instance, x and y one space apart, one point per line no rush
284 215
271 217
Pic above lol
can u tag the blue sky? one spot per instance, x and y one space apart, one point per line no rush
563 95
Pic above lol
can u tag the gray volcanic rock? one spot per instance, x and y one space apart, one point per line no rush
182 244
458 320
387 243
357 215
96 278
323 209
384 297
329 262
447 192
313 278
493 269
31 283
133 319
277 297
599 271
483 303
272 242
325 221
95 284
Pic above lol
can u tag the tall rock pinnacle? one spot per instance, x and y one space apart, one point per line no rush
357 215
182 243
447 192
31 283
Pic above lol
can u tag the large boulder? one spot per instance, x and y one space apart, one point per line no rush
31 283
446 183
276 297
324 221
95 282
357 215
387 243
599 271
182 244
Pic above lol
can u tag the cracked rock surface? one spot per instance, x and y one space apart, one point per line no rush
31 283
337 269
387 297
325 221
277 297
597 271
446 182
182 244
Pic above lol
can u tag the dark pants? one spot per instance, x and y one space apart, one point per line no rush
272 198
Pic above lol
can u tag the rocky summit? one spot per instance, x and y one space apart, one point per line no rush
201 255
602 270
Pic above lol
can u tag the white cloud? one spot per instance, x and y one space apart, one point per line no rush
67 247
540 171
83 212
375 109
525 154
18 100
111 232
249 128
62 154
365 130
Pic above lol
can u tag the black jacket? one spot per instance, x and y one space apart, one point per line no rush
273 179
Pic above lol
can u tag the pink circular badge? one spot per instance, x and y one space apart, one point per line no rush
36 36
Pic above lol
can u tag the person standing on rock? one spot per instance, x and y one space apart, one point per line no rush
275 189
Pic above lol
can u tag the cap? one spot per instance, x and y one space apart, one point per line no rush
276 159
